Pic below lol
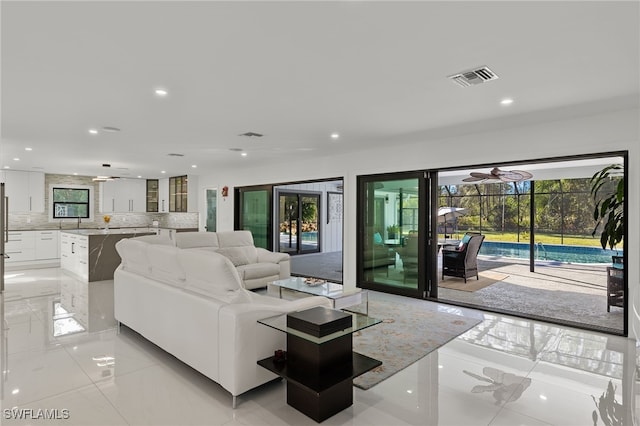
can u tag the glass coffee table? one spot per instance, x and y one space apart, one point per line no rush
340 299
320 368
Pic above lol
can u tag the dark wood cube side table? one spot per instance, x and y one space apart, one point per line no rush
320 365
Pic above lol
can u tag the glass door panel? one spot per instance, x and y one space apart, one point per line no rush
255 214
310 225
299 223
288 220
389 225
212 202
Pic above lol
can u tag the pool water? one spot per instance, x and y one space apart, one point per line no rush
560 253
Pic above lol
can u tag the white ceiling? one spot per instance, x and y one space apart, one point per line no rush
374 72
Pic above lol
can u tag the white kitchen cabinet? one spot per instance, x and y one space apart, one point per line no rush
36 192
32 248
163 195
108 191
74 254
20 247
123 196
167 233
136 191
192 194
47 245
25 191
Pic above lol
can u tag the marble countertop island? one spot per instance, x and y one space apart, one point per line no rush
90 254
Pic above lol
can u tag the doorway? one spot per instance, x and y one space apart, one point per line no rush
527 213
211 197
303 219
298 222
394 225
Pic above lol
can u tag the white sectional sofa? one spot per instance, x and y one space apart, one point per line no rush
256 266
192 304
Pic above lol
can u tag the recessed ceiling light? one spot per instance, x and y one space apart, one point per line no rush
75 174
7 167
335 136
16 159
194 166
139 177
161 92
28 149
93 131
506 101
163 171
244 154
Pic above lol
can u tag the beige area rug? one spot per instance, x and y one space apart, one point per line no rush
406 334
486 279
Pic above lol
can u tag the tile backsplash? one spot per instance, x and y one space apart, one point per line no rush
42 220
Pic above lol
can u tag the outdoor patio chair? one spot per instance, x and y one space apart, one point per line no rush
462 261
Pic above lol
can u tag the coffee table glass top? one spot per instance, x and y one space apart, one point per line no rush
327 289
360 322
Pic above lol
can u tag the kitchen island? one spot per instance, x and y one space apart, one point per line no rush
90 254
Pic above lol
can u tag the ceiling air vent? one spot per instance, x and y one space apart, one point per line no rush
473 77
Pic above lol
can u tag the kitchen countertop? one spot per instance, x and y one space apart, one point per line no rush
117 231
66 229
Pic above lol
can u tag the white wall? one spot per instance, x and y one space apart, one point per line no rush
609 131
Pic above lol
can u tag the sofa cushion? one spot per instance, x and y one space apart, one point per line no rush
165 265
210 274
258 270
155 239
134 256
235 239
196 239
237 255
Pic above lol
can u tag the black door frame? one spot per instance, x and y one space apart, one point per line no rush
299 195
424 193
428 247
623 154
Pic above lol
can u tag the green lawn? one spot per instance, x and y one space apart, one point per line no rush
570 240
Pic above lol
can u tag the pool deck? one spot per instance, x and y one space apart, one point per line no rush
573 293
570 293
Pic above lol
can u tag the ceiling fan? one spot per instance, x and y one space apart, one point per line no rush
104 178
497 174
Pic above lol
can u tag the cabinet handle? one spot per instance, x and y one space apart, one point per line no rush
30 209
45 239
72 247
6 219
163 206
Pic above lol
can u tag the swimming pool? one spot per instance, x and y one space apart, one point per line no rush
560 253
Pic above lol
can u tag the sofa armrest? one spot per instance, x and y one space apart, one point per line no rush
266 256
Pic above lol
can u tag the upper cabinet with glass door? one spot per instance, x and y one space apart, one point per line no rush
152 195
182 194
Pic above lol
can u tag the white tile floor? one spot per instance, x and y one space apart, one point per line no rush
549 374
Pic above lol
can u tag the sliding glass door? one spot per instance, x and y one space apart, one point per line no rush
393 231
299 224
254 207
